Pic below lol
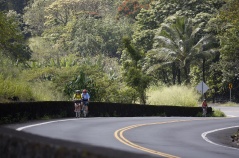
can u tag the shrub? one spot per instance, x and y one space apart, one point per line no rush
218 113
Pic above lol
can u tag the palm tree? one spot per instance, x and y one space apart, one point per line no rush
179 44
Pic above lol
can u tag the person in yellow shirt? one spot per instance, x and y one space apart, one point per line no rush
77 100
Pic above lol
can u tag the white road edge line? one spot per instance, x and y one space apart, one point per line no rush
204 136
38 124
231 116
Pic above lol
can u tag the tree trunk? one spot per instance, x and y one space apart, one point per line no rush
203 70
179 76
187 71
174 72
203 73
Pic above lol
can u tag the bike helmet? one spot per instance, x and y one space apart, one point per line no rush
77 91
84 91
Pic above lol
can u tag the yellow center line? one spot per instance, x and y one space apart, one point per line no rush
120 137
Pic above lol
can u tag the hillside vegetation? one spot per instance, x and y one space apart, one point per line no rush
120 50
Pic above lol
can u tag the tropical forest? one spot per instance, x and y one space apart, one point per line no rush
151 52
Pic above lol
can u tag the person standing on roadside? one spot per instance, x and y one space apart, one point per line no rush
204 108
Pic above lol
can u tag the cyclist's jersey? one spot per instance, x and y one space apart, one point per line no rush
77 97
85 96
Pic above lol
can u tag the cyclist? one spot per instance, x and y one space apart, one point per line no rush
85 100
204 107
77 100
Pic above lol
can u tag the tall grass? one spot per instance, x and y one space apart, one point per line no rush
173 95
26 91
44 91
10 88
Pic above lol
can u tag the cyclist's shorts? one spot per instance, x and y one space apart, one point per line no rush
85 102
77 101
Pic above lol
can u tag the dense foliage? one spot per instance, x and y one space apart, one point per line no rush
56 46
11 41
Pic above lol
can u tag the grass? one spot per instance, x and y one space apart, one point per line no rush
218 113
173 95
44 91
12 87
27 91
179 96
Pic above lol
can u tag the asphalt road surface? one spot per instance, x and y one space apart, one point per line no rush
232 111
172 137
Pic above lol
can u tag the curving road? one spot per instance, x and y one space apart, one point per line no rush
170 137
231 111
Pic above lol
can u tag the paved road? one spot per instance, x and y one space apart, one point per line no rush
232 111
170 137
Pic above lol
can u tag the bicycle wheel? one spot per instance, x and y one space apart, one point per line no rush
85 113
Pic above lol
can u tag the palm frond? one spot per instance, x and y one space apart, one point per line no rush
165 40
163 54
194 32
156 67
169 32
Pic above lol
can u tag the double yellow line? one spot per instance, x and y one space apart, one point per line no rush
119 136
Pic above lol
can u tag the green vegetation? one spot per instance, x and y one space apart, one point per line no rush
173 95
14 88
217 113
133 74
50 48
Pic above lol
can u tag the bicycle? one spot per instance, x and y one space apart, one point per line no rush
83 111
85 108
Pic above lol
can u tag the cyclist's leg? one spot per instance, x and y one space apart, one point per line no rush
204 112
81 106
86 107
75 106
79 109
85 111
76 110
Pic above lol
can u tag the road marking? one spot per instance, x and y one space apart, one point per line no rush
44 123
231 116
120 137
204 136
